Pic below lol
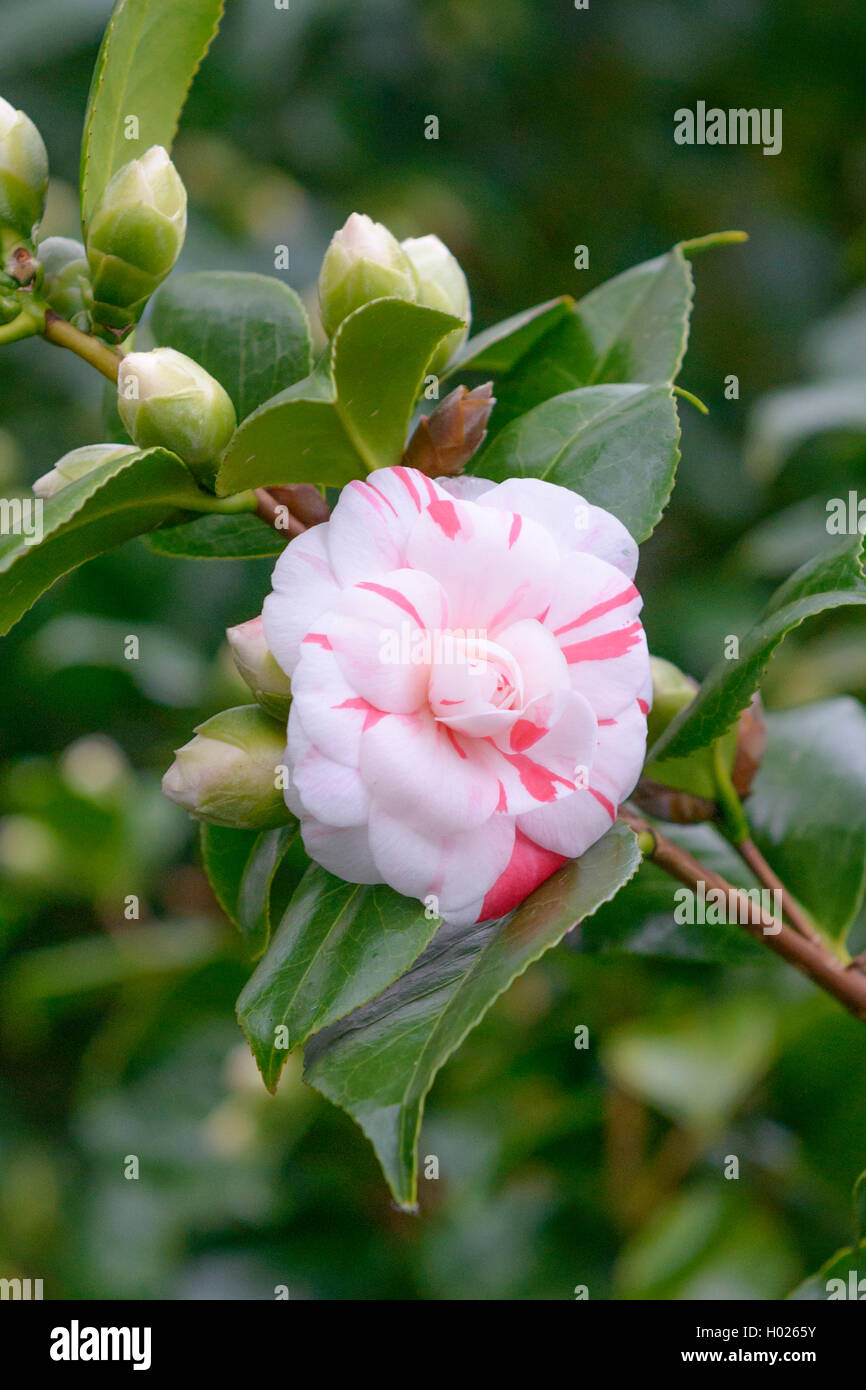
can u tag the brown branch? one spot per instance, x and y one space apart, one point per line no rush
811 958
791 909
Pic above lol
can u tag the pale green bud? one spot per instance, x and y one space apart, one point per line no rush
77 464
66 278
672 689
165 398
232 772
258 667
23 172
363 262
134 238
441 285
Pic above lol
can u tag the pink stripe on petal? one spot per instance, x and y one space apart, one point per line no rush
643 706
453 741
319 639
524 733
624 596
603 801
371 714
516 527
406 479
386 500
502 804
605 647
394 596
445 515
528 866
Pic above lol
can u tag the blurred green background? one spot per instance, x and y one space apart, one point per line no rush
559 1166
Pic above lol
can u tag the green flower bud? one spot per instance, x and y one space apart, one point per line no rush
231 772
258 667
76 464
10 308
23 172
672 689
441 285
164 398
697 786
134 238
66 280
363 262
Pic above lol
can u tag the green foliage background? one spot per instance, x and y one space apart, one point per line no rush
559 1166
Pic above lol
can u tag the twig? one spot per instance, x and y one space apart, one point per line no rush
791 909
105 359
811 958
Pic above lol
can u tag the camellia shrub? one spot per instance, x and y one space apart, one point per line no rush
457 748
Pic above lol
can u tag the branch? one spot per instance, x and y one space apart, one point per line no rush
791 909
105 359
811 958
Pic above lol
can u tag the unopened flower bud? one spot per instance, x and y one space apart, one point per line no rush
134 238
10 308
229 774
23 172
363 262
66 278
268 682
445 440
165 398
441 285
77 464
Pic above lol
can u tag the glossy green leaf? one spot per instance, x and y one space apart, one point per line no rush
500 348
238 537
351 414
338 945
618 446
633 328
112 504
380 1063
808 809
832 580
241 866
249 331
149 56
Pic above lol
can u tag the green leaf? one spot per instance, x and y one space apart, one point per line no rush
337 946
351 414
380 1063
500 348
115 502
241 536
633 328
618 446
832 580
241 866
808 809
251 332
149 56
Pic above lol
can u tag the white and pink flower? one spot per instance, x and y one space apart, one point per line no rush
470 684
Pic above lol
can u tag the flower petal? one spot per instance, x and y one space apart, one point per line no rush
457 869
304 587
574 523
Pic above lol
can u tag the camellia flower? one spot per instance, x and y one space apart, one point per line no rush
470 684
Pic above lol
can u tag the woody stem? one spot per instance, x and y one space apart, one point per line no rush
812 958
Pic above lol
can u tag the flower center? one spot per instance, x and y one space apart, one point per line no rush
472 677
